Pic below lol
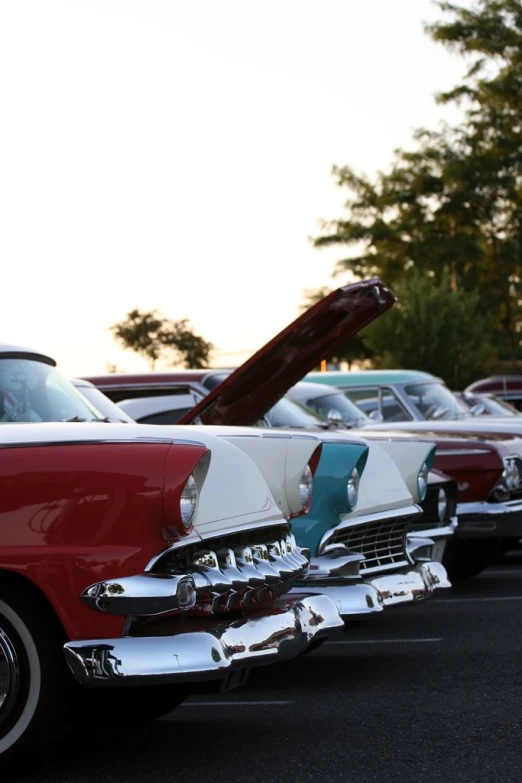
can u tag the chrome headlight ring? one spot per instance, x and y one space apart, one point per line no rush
305 487
188 501
352 488
422 481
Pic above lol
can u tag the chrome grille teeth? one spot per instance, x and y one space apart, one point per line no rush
233 579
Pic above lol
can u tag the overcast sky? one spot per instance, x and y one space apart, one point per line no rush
177 155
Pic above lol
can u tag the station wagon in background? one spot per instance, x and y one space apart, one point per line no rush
486 404
506 387
142 563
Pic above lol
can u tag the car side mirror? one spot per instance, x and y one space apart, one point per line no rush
334 415
478 409
376 416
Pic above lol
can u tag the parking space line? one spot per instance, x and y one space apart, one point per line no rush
385 641
478 599
232 703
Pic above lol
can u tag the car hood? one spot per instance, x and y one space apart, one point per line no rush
246 395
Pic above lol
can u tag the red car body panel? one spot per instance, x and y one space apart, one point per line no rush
75 514
475 465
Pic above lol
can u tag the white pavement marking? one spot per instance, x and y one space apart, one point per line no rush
503 571
231 703
384 641
478 599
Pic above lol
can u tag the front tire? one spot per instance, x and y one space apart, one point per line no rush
34 681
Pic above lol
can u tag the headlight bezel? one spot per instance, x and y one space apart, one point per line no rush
306 483
352 488
422 481
188 501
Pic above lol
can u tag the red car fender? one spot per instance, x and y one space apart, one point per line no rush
475 467
75 514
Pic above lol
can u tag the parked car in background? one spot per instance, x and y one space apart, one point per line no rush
470 449
506 387
396 395
482 404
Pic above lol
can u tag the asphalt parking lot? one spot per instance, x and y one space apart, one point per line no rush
430 693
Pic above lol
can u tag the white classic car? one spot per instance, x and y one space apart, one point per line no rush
138 556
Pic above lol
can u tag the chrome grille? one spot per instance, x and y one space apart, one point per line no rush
383 543
238 570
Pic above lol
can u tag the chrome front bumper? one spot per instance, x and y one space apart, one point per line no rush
373 594
293 625
439 535
490 520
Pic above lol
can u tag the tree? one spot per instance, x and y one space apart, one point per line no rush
454 200
433 329
153 336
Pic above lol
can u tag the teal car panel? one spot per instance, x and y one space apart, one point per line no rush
368 377
329 498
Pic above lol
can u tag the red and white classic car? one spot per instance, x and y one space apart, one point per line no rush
137 562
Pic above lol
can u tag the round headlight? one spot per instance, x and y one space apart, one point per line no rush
352 488
422 482
305 487
442 505
188 501
510 475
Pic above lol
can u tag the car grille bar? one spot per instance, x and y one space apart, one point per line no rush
382 543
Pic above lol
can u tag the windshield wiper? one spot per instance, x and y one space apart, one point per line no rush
79 418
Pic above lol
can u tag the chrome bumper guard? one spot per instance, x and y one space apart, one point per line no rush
495 520
374 594
292 626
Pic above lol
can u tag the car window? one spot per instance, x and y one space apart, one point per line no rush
435 401
166 417
32 391
290 413
376 399
338 403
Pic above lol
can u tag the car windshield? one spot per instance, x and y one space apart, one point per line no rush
435 401
107 407
328 405
496 407
32 391
289 413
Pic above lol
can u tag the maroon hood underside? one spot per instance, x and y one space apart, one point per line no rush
246 395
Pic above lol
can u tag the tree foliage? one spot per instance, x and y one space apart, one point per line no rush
433 329
155 337
454 200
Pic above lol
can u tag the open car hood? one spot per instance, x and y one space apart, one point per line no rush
246 395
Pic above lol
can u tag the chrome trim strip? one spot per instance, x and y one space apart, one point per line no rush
92 441
227 531
205 655
485 509
397 513
460 452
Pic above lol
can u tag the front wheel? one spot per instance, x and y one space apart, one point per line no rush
34 679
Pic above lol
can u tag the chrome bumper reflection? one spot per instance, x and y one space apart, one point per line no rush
293 625
436 533
373 594
493 519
